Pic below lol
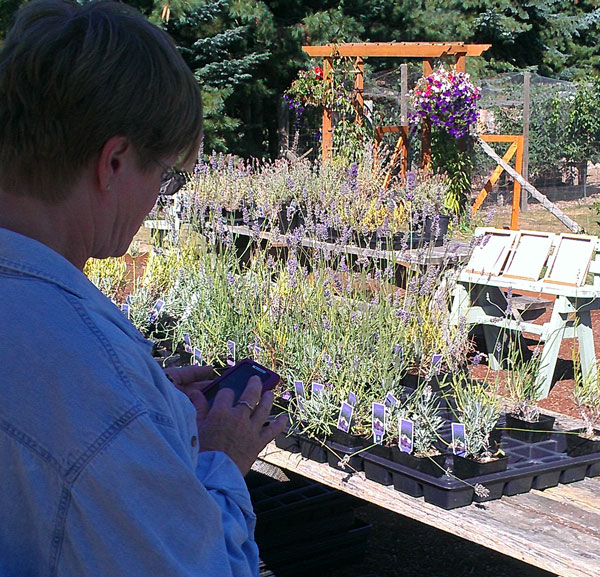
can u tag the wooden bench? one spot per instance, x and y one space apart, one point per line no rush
558 270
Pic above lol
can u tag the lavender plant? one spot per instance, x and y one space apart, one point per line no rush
477 406
523 387
586 394
109 275
424 410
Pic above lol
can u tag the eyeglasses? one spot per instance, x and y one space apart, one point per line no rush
171 180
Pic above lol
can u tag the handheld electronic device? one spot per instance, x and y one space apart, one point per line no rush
236 378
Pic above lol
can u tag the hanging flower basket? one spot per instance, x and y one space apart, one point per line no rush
448 99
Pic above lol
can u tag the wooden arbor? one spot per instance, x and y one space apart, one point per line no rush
428 51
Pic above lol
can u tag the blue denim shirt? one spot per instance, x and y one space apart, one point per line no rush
99 468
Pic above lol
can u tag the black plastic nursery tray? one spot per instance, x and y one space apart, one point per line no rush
303 526
530 465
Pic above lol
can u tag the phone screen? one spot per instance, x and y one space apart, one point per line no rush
237 379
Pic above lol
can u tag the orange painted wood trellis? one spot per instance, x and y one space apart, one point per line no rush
427 51
515 149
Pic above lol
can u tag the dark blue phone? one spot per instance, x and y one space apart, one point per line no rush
236 378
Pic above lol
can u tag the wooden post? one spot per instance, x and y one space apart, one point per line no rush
359 81
426 124
514 219
326 130
283 127
404 94
525 168
461 62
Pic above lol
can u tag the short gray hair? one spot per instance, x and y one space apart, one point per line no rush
73 76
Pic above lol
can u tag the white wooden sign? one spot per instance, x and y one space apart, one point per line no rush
529 255
571 260
491 253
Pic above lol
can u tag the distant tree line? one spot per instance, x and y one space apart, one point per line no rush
245 53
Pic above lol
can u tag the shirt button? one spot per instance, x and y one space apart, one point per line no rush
194 441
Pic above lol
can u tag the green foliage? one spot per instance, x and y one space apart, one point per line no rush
523 387
478 408
318 413
576 120
586 394
422 407
454 157
246 52
546 135
7 12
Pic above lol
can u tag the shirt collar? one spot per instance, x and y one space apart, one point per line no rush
27 256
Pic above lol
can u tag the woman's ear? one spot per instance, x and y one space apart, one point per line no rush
112 158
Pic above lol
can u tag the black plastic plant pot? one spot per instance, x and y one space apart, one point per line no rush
377 472
527 431
395 242
443 222
433 465
313 450
235 217
287 442
381 451
345 451
342 438
578 445
465 467
460 497
574 473
287 225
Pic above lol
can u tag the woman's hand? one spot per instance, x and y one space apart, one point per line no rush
191 378
240 430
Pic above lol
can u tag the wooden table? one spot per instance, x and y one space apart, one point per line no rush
557 529
452 253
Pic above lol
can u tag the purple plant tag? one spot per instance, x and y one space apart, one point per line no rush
231 353
255 350
345 417
187 343
378 422
399 351
390 400
316 388
197 360
156 311
459 443
126 310
351 398
405 435
299 389
436 364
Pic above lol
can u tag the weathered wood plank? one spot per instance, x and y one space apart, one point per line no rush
558 535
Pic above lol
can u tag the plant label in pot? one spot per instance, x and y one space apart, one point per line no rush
378 422
405 435
459 442
345 417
